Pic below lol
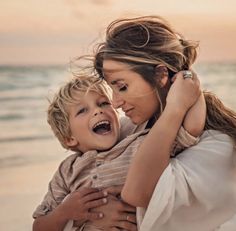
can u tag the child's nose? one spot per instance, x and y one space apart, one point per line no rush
97 112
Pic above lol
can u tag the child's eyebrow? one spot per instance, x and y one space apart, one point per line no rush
78 109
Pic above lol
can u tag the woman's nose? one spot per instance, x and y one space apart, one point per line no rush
117 100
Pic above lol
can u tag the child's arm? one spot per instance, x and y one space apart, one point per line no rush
153 154
54 221
75 207
195 118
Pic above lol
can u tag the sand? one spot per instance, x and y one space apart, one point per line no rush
21 190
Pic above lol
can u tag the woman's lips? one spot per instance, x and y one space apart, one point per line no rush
128 112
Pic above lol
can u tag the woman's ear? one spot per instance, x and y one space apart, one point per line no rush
162 75
71 142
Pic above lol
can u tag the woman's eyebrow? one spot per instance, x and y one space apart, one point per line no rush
114 82
112 70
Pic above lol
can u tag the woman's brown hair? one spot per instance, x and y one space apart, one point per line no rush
146 42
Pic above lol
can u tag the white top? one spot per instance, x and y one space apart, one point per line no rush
197 191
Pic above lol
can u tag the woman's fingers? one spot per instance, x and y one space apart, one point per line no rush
126 225
187 75
95 203
94 195
117 215
129 217
127 208
184 92
112 229
91 216
114 190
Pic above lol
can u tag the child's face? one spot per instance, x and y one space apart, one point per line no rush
93 122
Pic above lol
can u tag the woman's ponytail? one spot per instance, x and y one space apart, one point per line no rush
219 117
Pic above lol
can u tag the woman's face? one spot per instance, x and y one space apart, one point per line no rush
135 96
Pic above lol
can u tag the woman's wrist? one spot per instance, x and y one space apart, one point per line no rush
175 112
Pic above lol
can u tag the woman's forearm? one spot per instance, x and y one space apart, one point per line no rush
152 158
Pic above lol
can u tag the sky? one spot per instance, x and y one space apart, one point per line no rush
55 31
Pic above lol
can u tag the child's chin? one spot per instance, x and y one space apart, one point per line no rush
107 146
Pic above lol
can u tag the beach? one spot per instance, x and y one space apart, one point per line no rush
23 184
30 153
21 190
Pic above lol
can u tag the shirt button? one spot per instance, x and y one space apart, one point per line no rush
95 177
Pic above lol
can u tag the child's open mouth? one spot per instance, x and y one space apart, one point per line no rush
102 127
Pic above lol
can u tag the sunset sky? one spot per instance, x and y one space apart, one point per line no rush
55 31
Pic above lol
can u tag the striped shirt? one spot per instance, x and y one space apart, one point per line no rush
100 169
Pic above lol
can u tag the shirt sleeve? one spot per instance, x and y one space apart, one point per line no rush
189 187
183 140
57 189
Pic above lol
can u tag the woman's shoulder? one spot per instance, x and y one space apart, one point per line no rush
213 147
216 136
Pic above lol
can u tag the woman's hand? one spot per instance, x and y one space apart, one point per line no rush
184 92
118 215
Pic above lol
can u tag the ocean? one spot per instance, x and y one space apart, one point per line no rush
25 136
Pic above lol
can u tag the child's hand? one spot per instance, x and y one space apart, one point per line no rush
78 204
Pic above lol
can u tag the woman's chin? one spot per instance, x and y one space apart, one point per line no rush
137 121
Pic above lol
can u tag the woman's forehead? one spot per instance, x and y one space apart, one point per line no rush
114 66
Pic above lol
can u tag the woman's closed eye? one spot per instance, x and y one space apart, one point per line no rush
118 85
123 88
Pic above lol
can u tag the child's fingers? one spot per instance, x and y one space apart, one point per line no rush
94 196
95 203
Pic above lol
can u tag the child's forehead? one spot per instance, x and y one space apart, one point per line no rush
83 95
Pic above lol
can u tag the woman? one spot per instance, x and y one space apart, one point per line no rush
196 190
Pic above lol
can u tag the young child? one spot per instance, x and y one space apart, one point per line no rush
83 119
